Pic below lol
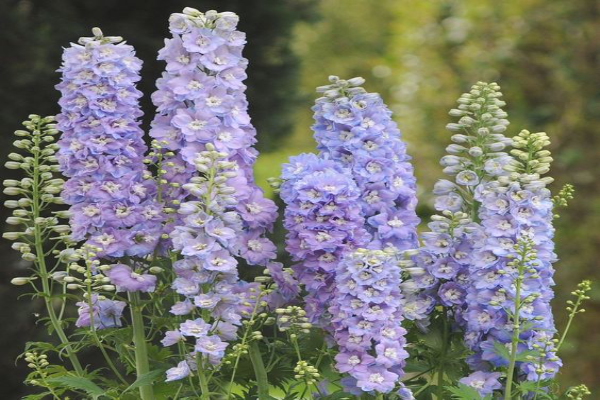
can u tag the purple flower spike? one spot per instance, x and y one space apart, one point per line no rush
204 131
101 149
367 319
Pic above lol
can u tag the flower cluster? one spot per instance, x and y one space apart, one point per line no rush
203 124
200 100
367 321
355 129
101 149
475 157
323 223
511 284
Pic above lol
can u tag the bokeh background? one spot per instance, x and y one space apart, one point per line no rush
420 55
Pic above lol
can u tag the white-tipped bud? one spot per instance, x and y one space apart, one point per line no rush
12 165
15 221
156 270
454 127
29 257
476 151
12 235
20 281
73 286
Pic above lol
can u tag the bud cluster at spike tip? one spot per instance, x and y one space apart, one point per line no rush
367 311
204 129
475 156
322 223
516 211
102 149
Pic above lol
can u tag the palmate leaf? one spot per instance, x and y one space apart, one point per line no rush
78 383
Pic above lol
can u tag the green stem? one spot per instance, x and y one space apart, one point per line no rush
139 341
569 322
43 272
205 395
262 380
440 375
515 339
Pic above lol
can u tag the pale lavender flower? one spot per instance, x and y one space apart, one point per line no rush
125 279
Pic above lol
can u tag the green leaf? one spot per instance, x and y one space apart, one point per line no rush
501 350
37 396
433 339
79 383
145 379
463 392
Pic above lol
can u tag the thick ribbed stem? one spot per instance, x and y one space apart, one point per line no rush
262 380
139 341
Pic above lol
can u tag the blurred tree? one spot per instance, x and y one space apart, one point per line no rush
33 32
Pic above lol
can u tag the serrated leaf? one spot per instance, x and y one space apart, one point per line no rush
37 396
145 379
79 383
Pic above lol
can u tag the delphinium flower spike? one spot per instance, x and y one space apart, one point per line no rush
508 301
102 149
367 320
475 157
358 193
322 223
355 129
205 137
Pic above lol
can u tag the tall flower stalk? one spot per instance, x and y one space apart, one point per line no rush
101 152
37 192
358 194
509 300
204 132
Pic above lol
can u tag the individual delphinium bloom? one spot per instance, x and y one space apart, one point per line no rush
483 382
367 319
125 279
106 313
355 129
201 100
101 149
322 223
508 301
475 157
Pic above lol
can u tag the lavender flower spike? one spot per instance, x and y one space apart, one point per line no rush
355 129
474 158
323 224
101 149
367 320
204 131
513 279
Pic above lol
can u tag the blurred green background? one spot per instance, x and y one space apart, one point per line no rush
420 55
